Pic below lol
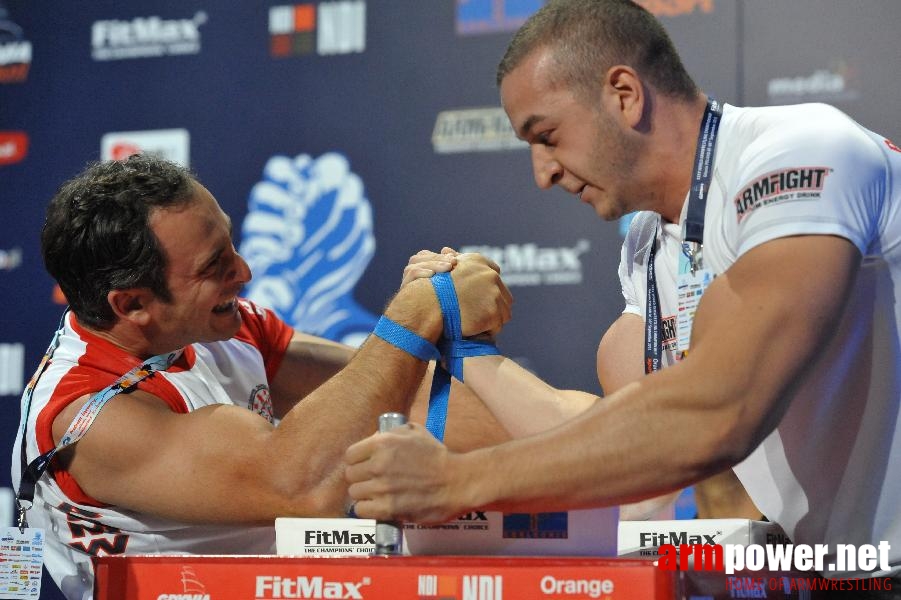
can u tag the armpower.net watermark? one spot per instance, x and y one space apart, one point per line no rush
856 563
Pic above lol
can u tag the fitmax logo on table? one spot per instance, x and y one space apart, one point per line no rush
310 588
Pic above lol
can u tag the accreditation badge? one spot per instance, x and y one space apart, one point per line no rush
20 567
690 286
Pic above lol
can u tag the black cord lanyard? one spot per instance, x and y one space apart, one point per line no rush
692 231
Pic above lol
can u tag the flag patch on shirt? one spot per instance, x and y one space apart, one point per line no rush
794 183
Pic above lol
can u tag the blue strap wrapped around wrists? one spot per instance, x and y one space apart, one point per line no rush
408 341
453 350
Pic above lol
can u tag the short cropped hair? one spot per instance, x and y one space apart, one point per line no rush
587 37
97 238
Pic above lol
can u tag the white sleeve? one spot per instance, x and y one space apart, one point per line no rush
632 267
801 180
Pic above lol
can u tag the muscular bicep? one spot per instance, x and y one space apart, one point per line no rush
620 356
761 324
200 466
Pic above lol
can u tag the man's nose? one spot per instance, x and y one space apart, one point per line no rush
547 170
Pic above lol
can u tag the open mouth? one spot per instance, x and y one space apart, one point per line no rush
225 307
581 191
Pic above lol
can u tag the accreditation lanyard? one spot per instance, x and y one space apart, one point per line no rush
32 472
692 238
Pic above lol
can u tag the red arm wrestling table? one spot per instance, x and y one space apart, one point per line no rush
170 577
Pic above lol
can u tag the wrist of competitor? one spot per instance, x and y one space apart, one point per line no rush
412 343
409 341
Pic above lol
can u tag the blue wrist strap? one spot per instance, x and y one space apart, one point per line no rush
453 349
408 341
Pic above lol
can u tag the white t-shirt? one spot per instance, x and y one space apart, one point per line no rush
829 473
236 371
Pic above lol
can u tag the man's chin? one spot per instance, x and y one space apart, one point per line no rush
226 325
608 213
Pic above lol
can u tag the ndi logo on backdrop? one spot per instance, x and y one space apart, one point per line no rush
325 29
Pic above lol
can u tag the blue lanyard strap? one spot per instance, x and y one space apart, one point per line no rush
79 426
653 344
703 172
692 230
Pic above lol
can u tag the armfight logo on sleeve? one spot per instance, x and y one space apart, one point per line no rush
793 183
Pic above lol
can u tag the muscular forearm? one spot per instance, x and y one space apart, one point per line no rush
345 409
379 378
521 402
642 441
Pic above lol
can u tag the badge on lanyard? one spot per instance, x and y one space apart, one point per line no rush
691 283
20 569
692 278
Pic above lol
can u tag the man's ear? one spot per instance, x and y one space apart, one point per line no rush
131 304
625 94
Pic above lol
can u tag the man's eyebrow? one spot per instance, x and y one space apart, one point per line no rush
216 253
210 260
526 127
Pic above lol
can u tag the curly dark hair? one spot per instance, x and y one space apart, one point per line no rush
97 238
588 37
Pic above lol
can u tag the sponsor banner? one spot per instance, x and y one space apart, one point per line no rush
327 28
146 37
13 147
10 259
22 552
457 578
15 51
530 264
12 369
589 532
491 16
676 8
643 538
171 144
324 538
834 84
474 130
